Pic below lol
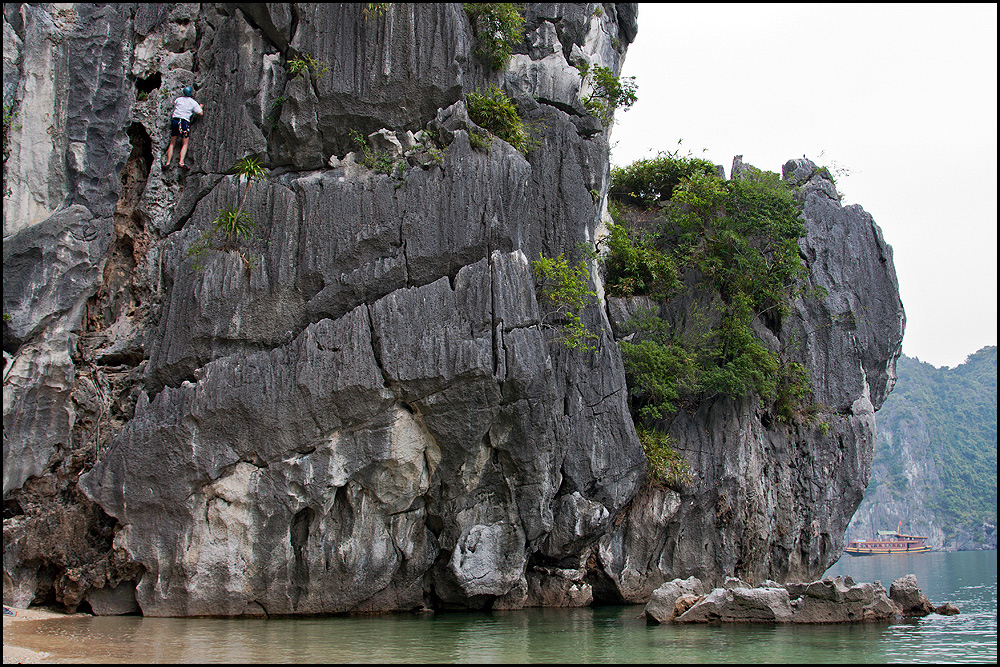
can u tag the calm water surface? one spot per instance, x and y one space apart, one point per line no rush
605 634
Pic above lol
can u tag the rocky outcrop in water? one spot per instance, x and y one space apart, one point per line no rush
832 600
366 409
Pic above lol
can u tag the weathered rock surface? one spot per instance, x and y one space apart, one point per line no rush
366 409
839 601
66 80
905 592
828 601
947 609
50 270
740 605
369 414
662 605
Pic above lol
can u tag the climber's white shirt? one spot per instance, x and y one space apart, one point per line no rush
184 107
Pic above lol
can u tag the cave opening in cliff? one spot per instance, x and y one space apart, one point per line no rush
141 157
144 86
12 508
133 179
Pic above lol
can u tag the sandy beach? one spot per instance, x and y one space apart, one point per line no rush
14 654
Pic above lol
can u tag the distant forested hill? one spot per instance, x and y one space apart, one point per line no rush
936 455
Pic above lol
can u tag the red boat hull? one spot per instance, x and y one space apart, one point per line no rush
898 543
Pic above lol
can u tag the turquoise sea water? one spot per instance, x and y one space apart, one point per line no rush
590 635
967 579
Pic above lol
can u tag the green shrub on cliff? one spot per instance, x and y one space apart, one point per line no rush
664 466
743 235
9 116
609 93
794 385
499 27
306 64
275 116
660 372
494 111
381 162
375 9
636 266
233 226
234 222
565 290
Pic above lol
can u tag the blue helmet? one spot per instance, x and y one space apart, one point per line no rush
188 91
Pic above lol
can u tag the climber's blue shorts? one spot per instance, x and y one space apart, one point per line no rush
180 127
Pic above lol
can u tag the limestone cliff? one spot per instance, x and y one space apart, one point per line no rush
770 500
366 409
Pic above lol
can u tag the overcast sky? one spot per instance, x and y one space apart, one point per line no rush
902 96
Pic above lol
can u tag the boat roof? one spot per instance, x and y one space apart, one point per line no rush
898 534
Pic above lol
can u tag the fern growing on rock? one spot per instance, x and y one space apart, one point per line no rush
494 111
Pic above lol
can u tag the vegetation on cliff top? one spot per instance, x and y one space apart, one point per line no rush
647 181
736 240
739 238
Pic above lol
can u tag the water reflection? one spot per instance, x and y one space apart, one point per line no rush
605 634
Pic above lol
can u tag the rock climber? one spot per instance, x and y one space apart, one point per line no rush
180 124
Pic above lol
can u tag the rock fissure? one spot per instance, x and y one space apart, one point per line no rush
376 350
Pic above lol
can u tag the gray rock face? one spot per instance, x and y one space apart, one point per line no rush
947 609
558 587
839 601
848 258
368 412
389 432
117 601
50 271
366 408
68 85
53 270
65 81
740 605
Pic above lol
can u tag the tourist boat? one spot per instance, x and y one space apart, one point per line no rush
888 542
